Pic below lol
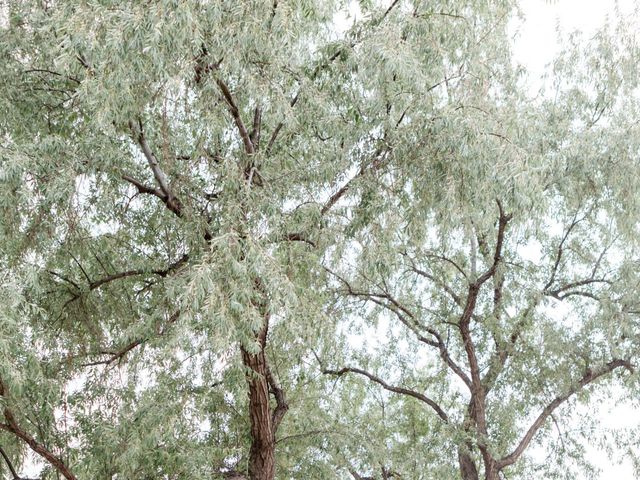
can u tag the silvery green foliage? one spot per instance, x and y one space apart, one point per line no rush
384 151
502 232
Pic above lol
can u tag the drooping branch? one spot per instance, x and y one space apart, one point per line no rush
10 466
588 377
400 390
13 427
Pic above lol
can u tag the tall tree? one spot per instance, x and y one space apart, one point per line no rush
181 181
494 263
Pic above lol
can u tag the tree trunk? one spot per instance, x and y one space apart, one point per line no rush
468 469
262 453
491 472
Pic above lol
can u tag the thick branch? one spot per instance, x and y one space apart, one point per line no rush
401 390
172 203
254 136
281 402
13 427
478 392
235 113
588 377
174 206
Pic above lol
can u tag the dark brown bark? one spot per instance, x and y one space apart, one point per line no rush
264 420
13 427
468 470
262 452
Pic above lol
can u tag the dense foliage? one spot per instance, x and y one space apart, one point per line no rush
267 239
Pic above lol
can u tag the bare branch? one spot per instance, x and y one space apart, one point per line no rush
235 113
13 427
448 260
408 319
173 206
158 174
164 193
588 377
560 251
115 356
401 390
557 293
10 466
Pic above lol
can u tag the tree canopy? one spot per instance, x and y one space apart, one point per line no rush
263 240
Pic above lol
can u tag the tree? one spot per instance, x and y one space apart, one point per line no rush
496 262
181 179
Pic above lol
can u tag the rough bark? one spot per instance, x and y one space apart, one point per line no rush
468 470
262 453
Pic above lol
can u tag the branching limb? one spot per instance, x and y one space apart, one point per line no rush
588 377
408 319
560 250
235 113
478 392
281 402
169 199
400 390
173 206
12 427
